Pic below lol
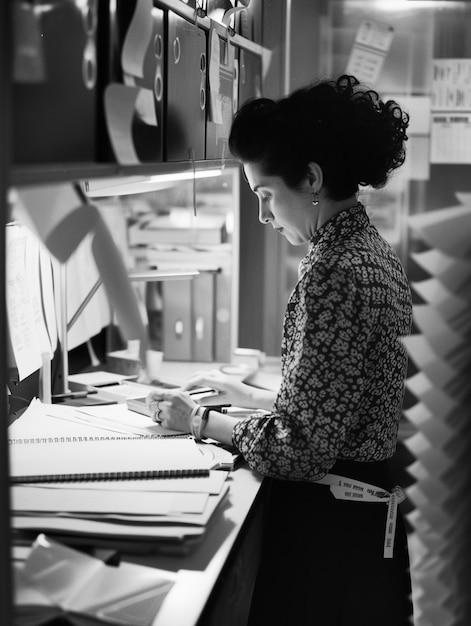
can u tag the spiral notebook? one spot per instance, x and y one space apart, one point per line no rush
103 458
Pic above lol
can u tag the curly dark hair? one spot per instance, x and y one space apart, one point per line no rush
355 137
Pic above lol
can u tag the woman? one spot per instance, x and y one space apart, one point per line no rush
337 411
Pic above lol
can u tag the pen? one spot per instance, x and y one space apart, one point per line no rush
195 392
70 394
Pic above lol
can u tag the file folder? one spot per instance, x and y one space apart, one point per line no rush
186 90
203 295
176 320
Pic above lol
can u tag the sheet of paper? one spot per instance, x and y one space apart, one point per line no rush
97 378
48 300
81 276
123 421
120 105
451 111
21 316
52 421
108 502
171 526
372 43
137 40
128 594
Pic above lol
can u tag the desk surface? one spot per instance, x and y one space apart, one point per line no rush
201 568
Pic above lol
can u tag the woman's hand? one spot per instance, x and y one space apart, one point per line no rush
171 408
230 390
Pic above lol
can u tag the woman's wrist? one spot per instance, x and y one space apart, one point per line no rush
198 420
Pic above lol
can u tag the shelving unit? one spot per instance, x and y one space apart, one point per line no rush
51 173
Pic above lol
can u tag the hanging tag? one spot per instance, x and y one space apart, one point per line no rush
215 105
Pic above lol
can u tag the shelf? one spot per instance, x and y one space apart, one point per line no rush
50 173
205 22
32 174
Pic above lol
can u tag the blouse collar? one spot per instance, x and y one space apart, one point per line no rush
354 218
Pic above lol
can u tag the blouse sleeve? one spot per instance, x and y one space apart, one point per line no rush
325 338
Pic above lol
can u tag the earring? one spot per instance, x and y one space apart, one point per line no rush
315 198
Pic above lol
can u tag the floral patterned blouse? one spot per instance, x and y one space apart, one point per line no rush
343 363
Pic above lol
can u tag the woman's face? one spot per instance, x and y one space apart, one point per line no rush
289 211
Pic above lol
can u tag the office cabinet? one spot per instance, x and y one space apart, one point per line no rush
186 90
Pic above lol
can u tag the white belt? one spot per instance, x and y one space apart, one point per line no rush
350 489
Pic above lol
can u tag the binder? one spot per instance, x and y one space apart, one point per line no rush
222 318
186 90
55 93
176 320
203 294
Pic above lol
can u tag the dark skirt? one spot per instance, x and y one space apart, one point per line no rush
322 558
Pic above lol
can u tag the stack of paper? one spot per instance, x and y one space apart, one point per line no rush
441 351
153 489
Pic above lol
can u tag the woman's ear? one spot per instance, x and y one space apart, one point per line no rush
314 175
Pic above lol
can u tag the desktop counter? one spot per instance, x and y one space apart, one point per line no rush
216 578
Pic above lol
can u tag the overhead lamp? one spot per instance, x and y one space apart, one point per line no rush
175 176
126 185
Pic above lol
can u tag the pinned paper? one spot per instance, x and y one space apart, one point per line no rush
27 329
214 80
138 38
451 111
372 43
120 105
